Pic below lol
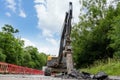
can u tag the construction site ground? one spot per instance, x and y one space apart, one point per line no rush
29 77
40 77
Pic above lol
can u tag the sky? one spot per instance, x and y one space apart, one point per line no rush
39 21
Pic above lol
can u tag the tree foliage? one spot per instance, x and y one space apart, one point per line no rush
114 33
92 37
12 50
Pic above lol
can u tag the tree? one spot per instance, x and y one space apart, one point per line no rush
2 56
9 29
42 58
34 58
12 50
10 45
114 32
90 36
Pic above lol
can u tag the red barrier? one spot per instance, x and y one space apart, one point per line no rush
14 69
3 67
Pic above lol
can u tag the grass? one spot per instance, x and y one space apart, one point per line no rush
111 67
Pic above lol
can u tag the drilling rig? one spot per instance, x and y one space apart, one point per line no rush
64 62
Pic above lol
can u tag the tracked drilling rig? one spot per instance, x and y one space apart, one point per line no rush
62 63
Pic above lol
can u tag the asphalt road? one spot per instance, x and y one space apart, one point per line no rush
39 77
29 77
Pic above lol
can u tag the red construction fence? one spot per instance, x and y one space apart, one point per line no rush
14 69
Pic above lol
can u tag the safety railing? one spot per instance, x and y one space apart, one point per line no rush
6 68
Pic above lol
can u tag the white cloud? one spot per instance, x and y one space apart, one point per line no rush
43 47
21 10
11 4
52 41
8 14
51 14
22 13
48 46
39 1
28 42
47 33
16 7
52 50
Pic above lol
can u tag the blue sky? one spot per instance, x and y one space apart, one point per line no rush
39 21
